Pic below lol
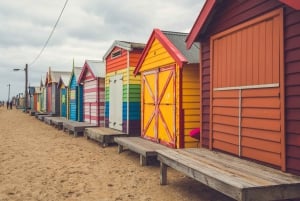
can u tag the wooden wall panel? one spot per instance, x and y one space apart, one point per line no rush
190 95
240 64
235 90
292 81
117 63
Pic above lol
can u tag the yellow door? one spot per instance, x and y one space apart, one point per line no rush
159 106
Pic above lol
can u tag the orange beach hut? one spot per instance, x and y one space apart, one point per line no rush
170 93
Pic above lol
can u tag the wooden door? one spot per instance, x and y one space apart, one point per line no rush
159 103
116 102
247 100
63 102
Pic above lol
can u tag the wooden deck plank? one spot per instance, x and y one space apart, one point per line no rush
76 127
103 135
139 145
42 116
57 122
235 177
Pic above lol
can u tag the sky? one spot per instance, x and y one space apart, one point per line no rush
86 30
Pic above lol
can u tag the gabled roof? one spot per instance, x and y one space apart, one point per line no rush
129 46
37 90
55 75
76 73
64 79
209 9
95 67
174 43
295 4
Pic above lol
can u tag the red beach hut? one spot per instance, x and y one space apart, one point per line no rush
250 72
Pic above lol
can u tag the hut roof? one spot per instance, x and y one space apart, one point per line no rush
97 67
129 46
208 11
174 43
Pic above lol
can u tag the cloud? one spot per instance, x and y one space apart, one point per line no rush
86 31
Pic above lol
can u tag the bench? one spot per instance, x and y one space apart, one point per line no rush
57 122
76 127
235 177
143 147
103 135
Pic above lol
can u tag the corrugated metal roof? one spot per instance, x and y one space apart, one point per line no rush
178 40
55 75
124 45
97 66
65 78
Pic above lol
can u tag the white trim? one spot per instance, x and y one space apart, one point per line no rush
248 87
240 122
128 77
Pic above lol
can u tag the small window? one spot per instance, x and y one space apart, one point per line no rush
116 54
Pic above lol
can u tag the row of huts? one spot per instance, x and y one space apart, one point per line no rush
235 76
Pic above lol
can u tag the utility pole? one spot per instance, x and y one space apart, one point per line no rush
26 87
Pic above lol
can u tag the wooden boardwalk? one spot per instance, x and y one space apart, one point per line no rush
42 116
75 127
103 135
57 122
237 178
139 145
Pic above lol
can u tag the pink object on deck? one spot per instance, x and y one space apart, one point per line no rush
195 133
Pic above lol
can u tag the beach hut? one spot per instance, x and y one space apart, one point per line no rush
31 91
92 78
170 89
39 94
43 95
75 96
250 89
53 96
63 88
122 88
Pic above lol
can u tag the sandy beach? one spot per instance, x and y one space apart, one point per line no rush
38 162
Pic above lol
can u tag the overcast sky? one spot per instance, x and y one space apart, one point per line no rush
86 30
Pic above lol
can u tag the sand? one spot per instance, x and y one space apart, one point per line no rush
39 162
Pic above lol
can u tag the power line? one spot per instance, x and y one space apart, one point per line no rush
47 41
